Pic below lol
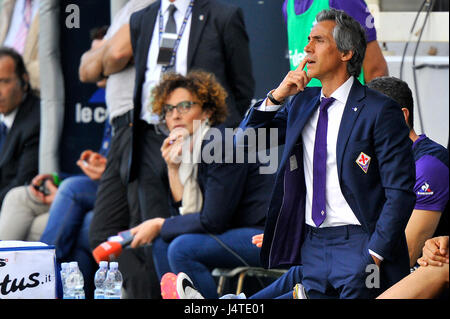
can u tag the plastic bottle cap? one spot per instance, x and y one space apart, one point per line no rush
56 179
103 264
64 265
73 264
113 265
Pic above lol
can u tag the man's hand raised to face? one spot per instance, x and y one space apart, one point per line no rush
294 82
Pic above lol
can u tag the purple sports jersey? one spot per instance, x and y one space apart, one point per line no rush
432 175
357 9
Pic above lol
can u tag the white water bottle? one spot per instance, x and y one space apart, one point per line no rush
64 271
113 282
99 280
75 281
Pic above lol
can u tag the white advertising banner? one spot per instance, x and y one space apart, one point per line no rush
27 270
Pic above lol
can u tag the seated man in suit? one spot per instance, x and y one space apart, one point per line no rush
344 190
19 123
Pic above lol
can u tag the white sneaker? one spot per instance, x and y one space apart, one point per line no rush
178 287
186 289
233 296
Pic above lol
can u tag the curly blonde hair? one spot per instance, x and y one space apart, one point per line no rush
203 85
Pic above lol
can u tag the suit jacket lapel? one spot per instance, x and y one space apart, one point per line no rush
7 142
355 104
198 21
11 136
296 123
144 47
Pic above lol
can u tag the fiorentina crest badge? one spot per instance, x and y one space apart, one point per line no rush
363 161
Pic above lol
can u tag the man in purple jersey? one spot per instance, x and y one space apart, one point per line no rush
430 216
300 15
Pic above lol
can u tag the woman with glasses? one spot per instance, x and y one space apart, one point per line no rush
218 204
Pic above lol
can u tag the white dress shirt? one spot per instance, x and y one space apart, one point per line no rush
153 72
338 211
8 120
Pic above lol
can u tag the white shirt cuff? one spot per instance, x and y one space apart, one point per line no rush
268 108
376 255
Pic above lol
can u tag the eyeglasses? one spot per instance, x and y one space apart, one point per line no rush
182 107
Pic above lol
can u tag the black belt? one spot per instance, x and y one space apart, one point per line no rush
122 120
157 128
337 231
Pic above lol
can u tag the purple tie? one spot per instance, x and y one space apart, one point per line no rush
320 164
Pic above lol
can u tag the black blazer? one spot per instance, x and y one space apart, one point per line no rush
218 43
20 152
235 195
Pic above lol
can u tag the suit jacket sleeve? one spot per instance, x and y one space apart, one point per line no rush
393 150
28 163
256 119
239 64
222 193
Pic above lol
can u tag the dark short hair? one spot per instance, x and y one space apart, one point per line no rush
397 90
19 64
349 35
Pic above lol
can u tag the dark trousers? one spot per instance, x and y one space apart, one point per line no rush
335 261
283 287
115 202
152 178
198 254
117 207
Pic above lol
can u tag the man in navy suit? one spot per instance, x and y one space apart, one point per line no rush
344 190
